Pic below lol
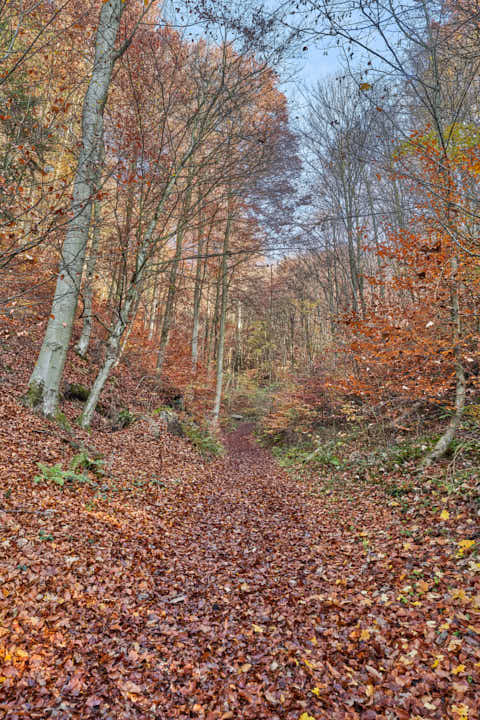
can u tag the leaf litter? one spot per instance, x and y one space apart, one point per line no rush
235 591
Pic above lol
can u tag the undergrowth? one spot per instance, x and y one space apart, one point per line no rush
58 476
202 439
393 462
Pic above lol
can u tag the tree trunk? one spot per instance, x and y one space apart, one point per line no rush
221 331
168 313
152 322
114 344
446 439
46 377
197 298
84 340
172 283
111 355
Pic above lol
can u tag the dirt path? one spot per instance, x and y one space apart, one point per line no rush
253 597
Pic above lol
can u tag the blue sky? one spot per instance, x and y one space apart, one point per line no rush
311 67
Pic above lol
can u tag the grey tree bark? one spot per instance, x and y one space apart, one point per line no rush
172 281
45 380
197 297
84 340
221 330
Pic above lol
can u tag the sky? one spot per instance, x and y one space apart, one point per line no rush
311 67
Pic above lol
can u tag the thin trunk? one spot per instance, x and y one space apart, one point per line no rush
172 282
206 332
153 313
45 380
238 340
197 298
221 331
84 340
111 356
376 238
168 313
446 439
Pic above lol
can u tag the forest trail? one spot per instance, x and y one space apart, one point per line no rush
238 594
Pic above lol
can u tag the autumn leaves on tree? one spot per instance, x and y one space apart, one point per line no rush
157 193
168 144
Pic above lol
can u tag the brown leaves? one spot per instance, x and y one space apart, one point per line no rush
235 593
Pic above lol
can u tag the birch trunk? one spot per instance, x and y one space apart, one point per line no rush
45 380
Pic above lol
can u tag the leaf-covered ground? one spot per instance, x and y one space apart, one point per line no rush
227 590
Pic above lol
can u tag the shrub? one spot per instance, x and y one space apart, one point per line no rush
201 437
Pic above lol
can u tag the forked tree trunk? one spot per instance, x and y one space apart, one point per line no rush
45 380
126 311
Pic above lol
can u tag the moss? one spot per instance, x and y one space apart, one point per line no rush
34 395
125 418
61 419
77 391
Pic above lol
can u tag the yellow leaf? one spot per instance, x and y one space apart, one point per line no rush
306 716
444 515
461 710
257 629
316 691
365 635
313 640
465 545
436 662
369 691
458 669
460 594
365 86
21 653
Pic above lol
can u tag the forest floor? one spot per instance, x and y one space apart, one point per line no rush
179 588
